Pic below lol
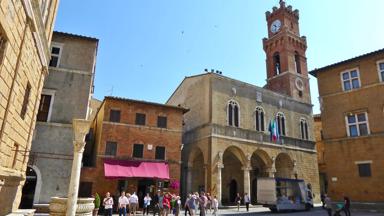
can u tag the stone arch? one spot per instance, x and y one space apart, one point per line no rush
196 171
261 163
284 166
32 187
233 160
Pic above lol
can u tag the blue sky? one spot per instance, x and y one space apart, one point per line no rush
147 47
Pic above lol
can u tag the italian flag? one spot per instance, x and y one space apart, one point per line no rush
273 130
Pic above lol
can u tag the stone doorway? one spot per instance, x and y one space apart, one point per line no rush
29 189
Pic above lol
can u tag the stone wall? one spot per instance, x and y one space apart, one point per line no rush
70 84
24 56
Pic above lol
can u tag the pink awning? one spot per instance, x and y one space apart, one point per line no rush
139 169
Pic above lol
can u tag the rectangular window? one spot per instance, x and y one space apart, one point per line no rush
364 170
350 80
138 150
160 153
44 107
114 115
25 101
55 55
162 122
140 119
381 70
357 124
111 149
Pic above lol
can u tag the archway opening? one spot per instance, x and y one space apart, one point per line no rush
260 162
198 174
232 175
284 166
28 189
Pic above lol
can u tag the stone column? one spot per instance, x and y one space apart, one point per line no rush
247 180
220 166
80 130
272 170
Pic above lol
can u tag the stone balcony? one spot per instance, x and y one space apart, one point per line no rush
245 134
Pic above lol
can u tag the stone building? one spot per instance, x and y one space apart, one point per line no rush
320 148
66 95
133 146
227 145
25 33
351 97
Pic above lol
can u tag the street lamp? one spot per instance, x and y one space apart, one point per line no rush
80 130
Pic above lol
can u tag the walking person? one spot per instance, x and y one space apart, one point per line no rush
202 203
156 203
191 204
108 204
122 204
328 204
247 200
215 205
166 204
133 203
347 205
186 206
322 198
209 204
238 201
178 206
147 203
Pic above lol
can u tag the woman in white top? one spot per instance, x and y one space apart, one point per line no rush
108 204
147 203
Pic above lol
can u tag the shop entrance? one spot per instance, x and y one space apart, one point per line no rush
144 186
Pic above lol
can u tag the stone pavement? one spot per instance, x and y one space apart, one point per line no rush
259 211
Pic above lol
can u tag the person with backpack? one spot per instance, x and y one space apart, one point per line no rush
108 204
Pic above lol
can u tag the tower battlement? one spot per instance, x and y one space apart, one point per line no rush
287 9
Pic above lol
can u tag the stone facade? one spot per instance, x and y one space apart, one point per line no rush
224 154
125 132
353 161
240 153
66 96
25 33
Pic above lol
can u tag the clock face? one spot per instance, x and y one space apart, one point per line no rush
299 84
275 26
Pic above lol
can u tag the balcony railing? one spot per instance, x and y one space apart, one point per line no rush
240 133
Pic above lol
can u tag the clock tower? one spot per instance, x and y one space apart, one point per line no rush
285 49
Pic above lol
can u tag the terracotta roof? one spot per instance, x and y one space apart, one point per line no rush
75 35
147 102
317 70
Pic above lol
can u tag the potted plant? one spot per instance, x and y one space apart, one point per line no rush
97 204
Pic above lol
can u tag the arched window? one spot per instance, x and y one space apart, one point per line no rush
280 119
297 62
259 117
304 129
233 113
276 63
